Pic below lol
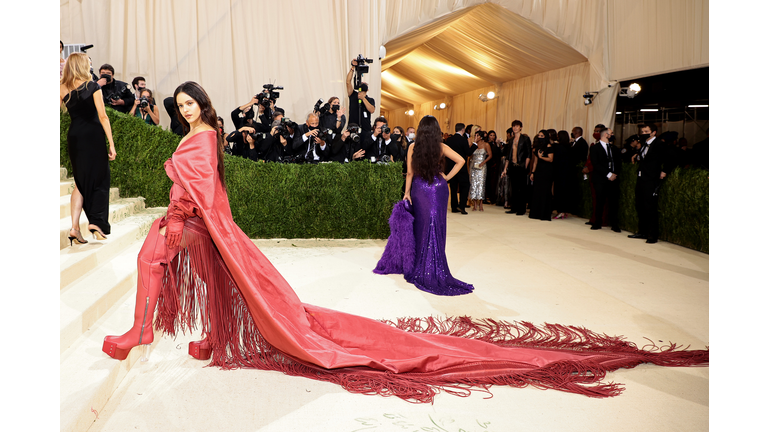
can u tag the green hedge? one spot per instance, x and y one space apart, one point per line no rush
268 200
683 206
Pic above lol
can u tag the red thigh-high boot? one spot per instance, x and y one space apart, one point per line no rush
151 265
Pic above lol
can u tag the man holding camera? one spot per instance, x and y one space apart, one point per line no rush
138 84
379 143
310 140
117 94
361 106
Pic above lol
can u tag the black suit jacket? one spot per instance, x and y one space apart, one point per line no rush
302 147
458 143
655 161
600 166
578 150
377 147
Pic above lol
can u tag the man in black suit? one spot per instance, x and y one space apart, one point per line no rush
460 183
516 169
307 143
579 148
378 143
654 164
606 164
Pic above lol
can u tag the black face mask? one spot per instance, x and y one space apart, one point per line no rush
644 138
108 77
395 137
334 108
611 138
572 135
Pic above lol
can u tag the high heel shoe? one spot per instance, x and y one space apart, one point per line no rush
77 238
200 350
97 234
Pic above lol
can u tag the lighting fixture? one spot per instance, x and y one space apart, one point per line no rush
588 96
409 112
698 106
442 105
630 91
618 112
649 109
491 95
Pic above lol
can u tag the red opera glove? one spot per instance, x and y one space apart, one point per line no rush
173 230
178 211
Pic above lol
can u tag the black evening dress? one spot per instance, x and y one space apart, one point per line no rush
541 199
88 154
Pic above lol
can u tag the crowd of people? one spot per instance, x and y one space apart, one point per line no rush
536 176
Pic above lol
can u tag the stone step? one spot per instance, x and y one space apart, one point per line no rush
88 377
65 207
66 187
118 210
88 299
77 261
62 173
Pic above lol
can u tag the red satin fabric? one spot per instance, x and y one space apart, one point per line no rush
333 340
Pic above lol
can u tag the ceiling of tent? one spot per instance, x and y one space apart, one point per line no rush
472 48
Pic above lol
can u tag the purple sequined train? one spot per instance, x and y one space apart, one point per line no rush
416 245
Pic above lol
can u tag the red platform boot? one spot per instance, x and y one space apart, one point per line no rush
150 280
200 350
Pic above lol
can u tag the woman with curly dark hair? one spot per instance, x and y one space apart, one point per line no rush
429 185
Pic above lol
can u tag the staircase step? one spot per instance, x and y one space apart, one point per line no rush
118 210
65 207
77 261
66 187
62 173
88 376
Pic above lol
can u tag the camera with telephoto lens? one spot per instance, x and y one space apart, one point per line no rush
144 102
385 159
258 136
282 128
385 129
325 135
354 132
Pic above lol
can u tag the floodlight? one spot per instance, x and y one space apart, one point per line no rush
442 105
491 95
409 112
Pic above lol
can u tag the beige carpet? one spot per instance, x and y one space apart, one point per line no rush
557 272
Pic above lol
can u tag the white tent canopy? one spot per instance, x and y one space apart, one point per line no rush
540 56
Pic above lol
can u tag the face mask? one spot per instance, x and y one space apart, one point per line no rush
596 135
644 138
395 137
411 136
572 135
334 108
611 138
108 77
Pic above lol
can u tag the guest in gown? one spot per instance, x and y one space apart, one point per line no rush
428 186
82 98
561 180
541 177
479 170
198 266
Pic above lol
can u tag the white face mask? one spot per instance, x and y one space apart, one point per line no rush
411 136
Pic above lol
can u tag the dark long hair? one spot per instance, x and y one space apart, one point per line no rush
207 114
563 138
428 150
541 146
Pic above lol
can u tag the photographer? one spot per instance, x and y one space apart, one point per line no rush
170 108
332 116
379 144
243 115
310 140
244 144
138 84
145 108
346 146
277 145
117 94
361 106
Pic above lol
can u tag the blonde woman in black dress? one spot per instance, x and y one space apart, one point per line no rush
81 97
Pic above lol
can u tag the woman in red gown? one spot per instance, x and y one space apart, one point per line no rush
191 267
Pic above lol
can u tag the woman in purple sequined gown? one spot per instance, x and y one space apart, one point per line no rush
426 189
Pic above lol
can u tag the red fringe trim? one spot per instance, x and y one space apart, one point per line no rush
237 342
